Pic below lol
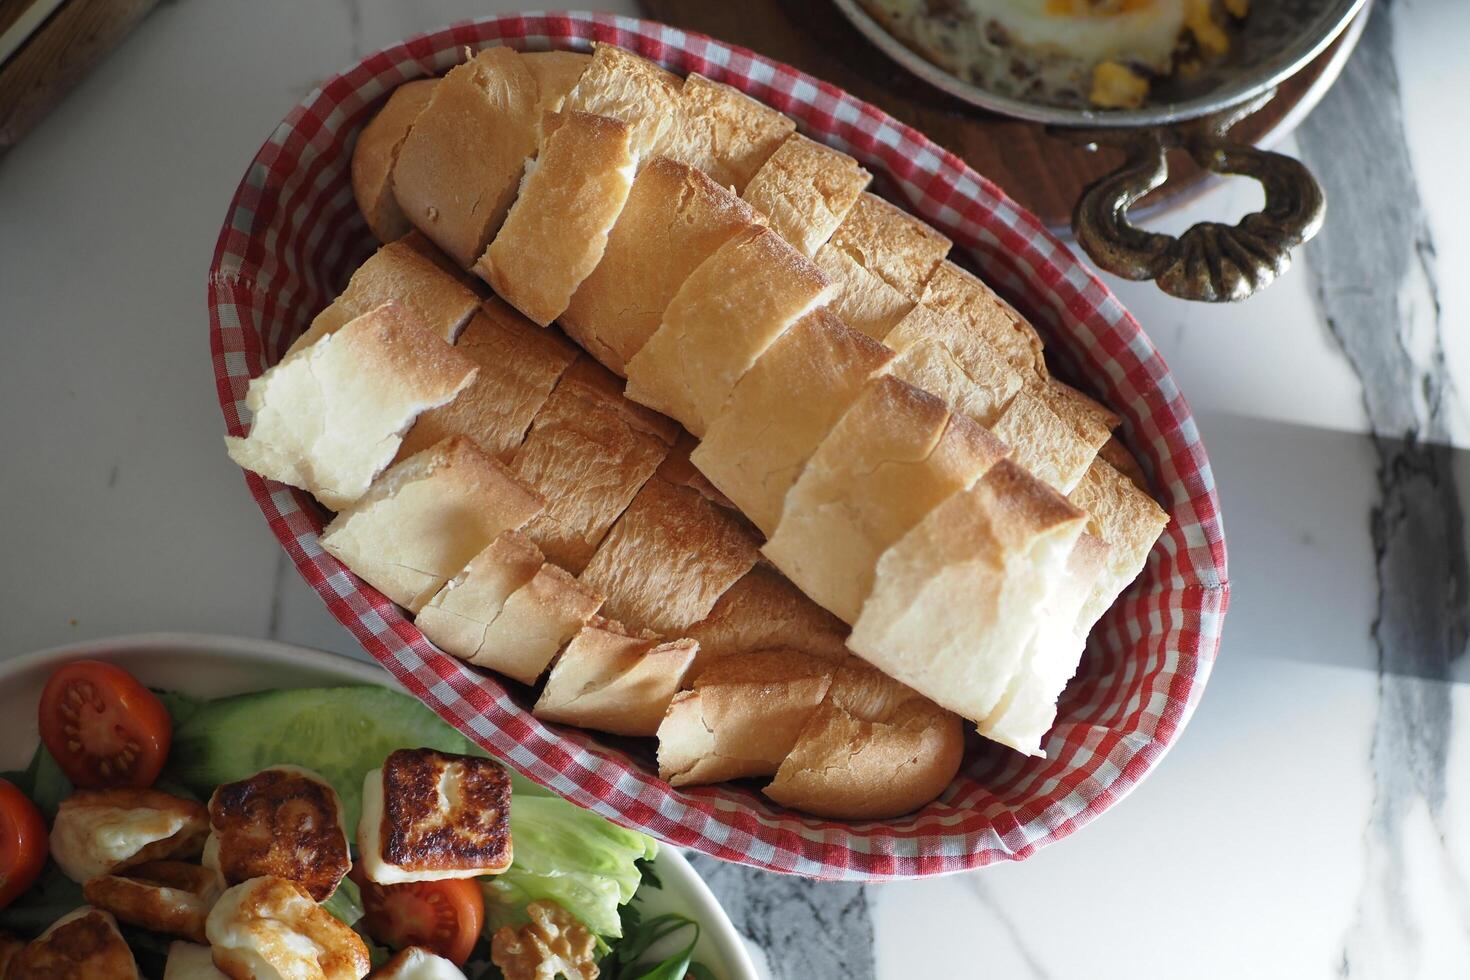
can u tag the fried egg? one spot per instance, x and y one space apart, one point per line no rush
1099 51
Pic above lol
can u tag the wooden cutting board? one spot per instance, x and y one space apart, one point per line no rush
49 58
1042 172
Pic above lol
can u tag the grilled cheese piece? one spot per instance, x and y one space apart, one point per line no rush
190 961
429 815
282 822
170 897
417 963
270 929
98 831
82 945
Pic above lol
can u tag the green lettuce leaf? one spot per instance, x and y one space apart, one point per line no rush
571 856
346 902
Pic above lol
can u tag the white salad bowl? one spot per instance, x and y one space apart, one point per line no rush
207 666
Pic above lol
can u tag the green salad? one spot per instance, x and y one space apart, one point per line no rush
230 831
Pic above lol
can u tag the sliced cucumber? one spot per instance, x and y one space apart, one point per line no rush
340 732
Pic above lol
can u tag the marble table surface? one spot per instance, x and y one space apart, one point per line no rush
1314 819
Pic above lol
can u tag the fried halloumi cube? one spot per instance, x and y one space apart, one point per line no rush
81 945
429 815
190 961
97 831
417 963
170 897
268 928
284 822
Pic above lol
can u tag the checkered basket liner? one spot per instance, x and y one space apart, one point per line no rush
293 235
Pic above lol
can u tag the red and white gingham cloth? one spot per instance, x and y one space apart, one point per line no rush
293 235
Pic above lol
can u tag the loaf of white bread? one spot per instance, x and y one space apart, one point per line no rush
875 423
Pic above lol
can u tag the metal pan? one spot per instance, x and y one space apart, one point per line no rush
1209 262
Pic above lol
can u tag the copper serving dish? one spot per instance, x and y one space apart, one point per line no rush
1211 262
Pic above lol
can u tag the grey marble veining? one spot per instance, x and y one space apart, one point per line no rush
1377 286
806 929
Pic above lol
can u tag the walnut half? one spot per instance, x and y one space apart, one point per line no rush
553 944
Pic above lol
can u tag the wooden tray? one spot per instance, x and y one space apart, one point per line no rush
1045 174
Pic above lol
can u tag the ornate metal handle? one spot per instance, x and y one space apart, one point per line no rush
1210 262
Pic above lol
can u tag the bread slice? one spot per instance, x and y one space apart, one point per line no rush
1128 520
954 292
619 84
675 218
459 615
376 152
941 355
805 189
725 132
519 366
864 301
536 621
894 455
556 231
763 611
588 452
955 602
424 519
891 244
1121 459
722 319
781 410
1029 707
329 419
670 556
873 749
459 167
1047 445
742 717
556 74
399 272
678 470
612 682
1093 421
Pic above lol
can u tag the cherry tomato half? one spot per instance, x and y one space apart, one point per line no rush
103 727
442 916
23 844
